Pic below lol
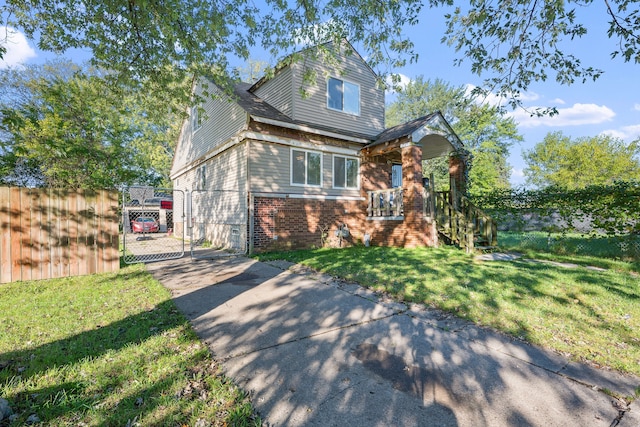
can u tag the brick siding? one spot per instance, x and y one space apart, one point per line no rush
291 223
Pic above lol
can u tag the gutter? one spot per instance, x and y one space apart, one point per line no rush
304 128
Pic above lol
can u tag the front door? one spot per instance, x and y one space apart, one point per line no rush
396 176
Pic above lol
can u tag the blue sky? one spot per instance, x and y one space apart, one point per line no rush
610 105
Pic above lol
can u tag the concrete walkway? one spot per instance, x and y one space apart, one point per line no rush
315 351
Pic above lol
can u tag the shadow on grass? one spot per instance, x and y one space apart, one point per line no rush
301 346
515 297
112 374
30 364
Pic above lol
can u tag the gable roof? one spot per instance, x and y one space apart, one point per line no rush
256 106
401 130
433 123
287 61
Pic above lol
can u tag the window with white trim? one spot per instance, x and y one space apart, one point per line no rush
200 181
306 167
196 120
345 172
343 96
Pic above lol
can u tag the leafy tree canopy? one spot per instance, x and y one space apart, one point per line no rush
167 41
513 43
567 163
520 42
486 133
62 126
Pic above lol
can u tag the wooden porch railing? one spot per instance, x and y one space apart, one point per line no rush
460 220
385 202
455 216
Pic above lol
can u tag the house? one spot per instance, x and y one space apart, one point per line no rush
271 168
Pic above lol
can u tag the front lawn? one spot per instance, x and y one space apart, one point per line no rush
108 350
590 315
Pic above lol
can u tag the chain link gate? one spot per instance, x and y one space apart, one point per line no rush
216 223
152 224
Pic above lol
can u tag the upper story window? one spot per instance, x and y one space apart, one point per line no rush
196 120
306 167
343 96
345 172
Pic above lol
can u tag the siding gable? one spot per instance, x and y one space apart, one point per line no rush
284 92
222 120
278 91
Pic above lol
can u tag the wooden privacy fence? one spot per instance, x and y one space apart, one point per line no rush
56 233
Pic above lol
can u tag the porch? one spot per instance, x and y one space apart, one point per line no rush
395 189
456 219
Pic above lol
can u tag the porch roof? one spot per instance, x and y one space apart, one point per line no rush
432 131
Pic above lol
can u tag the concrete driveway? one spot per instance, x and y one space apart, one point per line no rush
316 351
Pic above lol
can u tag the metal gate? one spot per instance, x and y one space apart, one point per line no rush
216 223
152 220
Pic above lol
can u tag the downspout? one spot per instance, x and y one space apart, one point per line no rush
250 198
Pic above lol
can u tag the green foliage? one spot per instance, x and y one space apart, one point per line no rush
252 71
63 126
521 42
612 209
565 163
171 41
486 133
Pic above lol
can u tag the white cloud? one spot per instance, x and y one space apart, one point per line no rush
498 101
557 101
404 81
18 49
529 96
627 133
613 133
517 177
576 115
489 98
636 107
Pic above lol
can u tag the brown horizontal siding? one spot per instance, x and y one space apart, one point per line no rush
269 171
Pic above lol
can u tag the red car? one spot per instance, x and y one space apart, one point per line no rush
145 224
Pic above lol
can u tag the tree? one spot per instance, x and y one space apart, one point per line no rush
486 133
62 126
520 42
575 164
517 42
169 41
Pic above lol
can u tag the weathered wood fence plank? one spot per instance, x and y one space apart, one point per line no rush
51 233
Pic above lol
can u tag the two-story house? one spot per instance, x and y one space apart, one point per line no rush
271 167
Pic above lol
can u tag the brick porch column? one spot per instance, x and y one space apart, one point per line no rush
457 173
412 185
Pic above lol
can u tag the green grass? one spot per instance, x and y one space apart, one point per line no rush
591 316
109 350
